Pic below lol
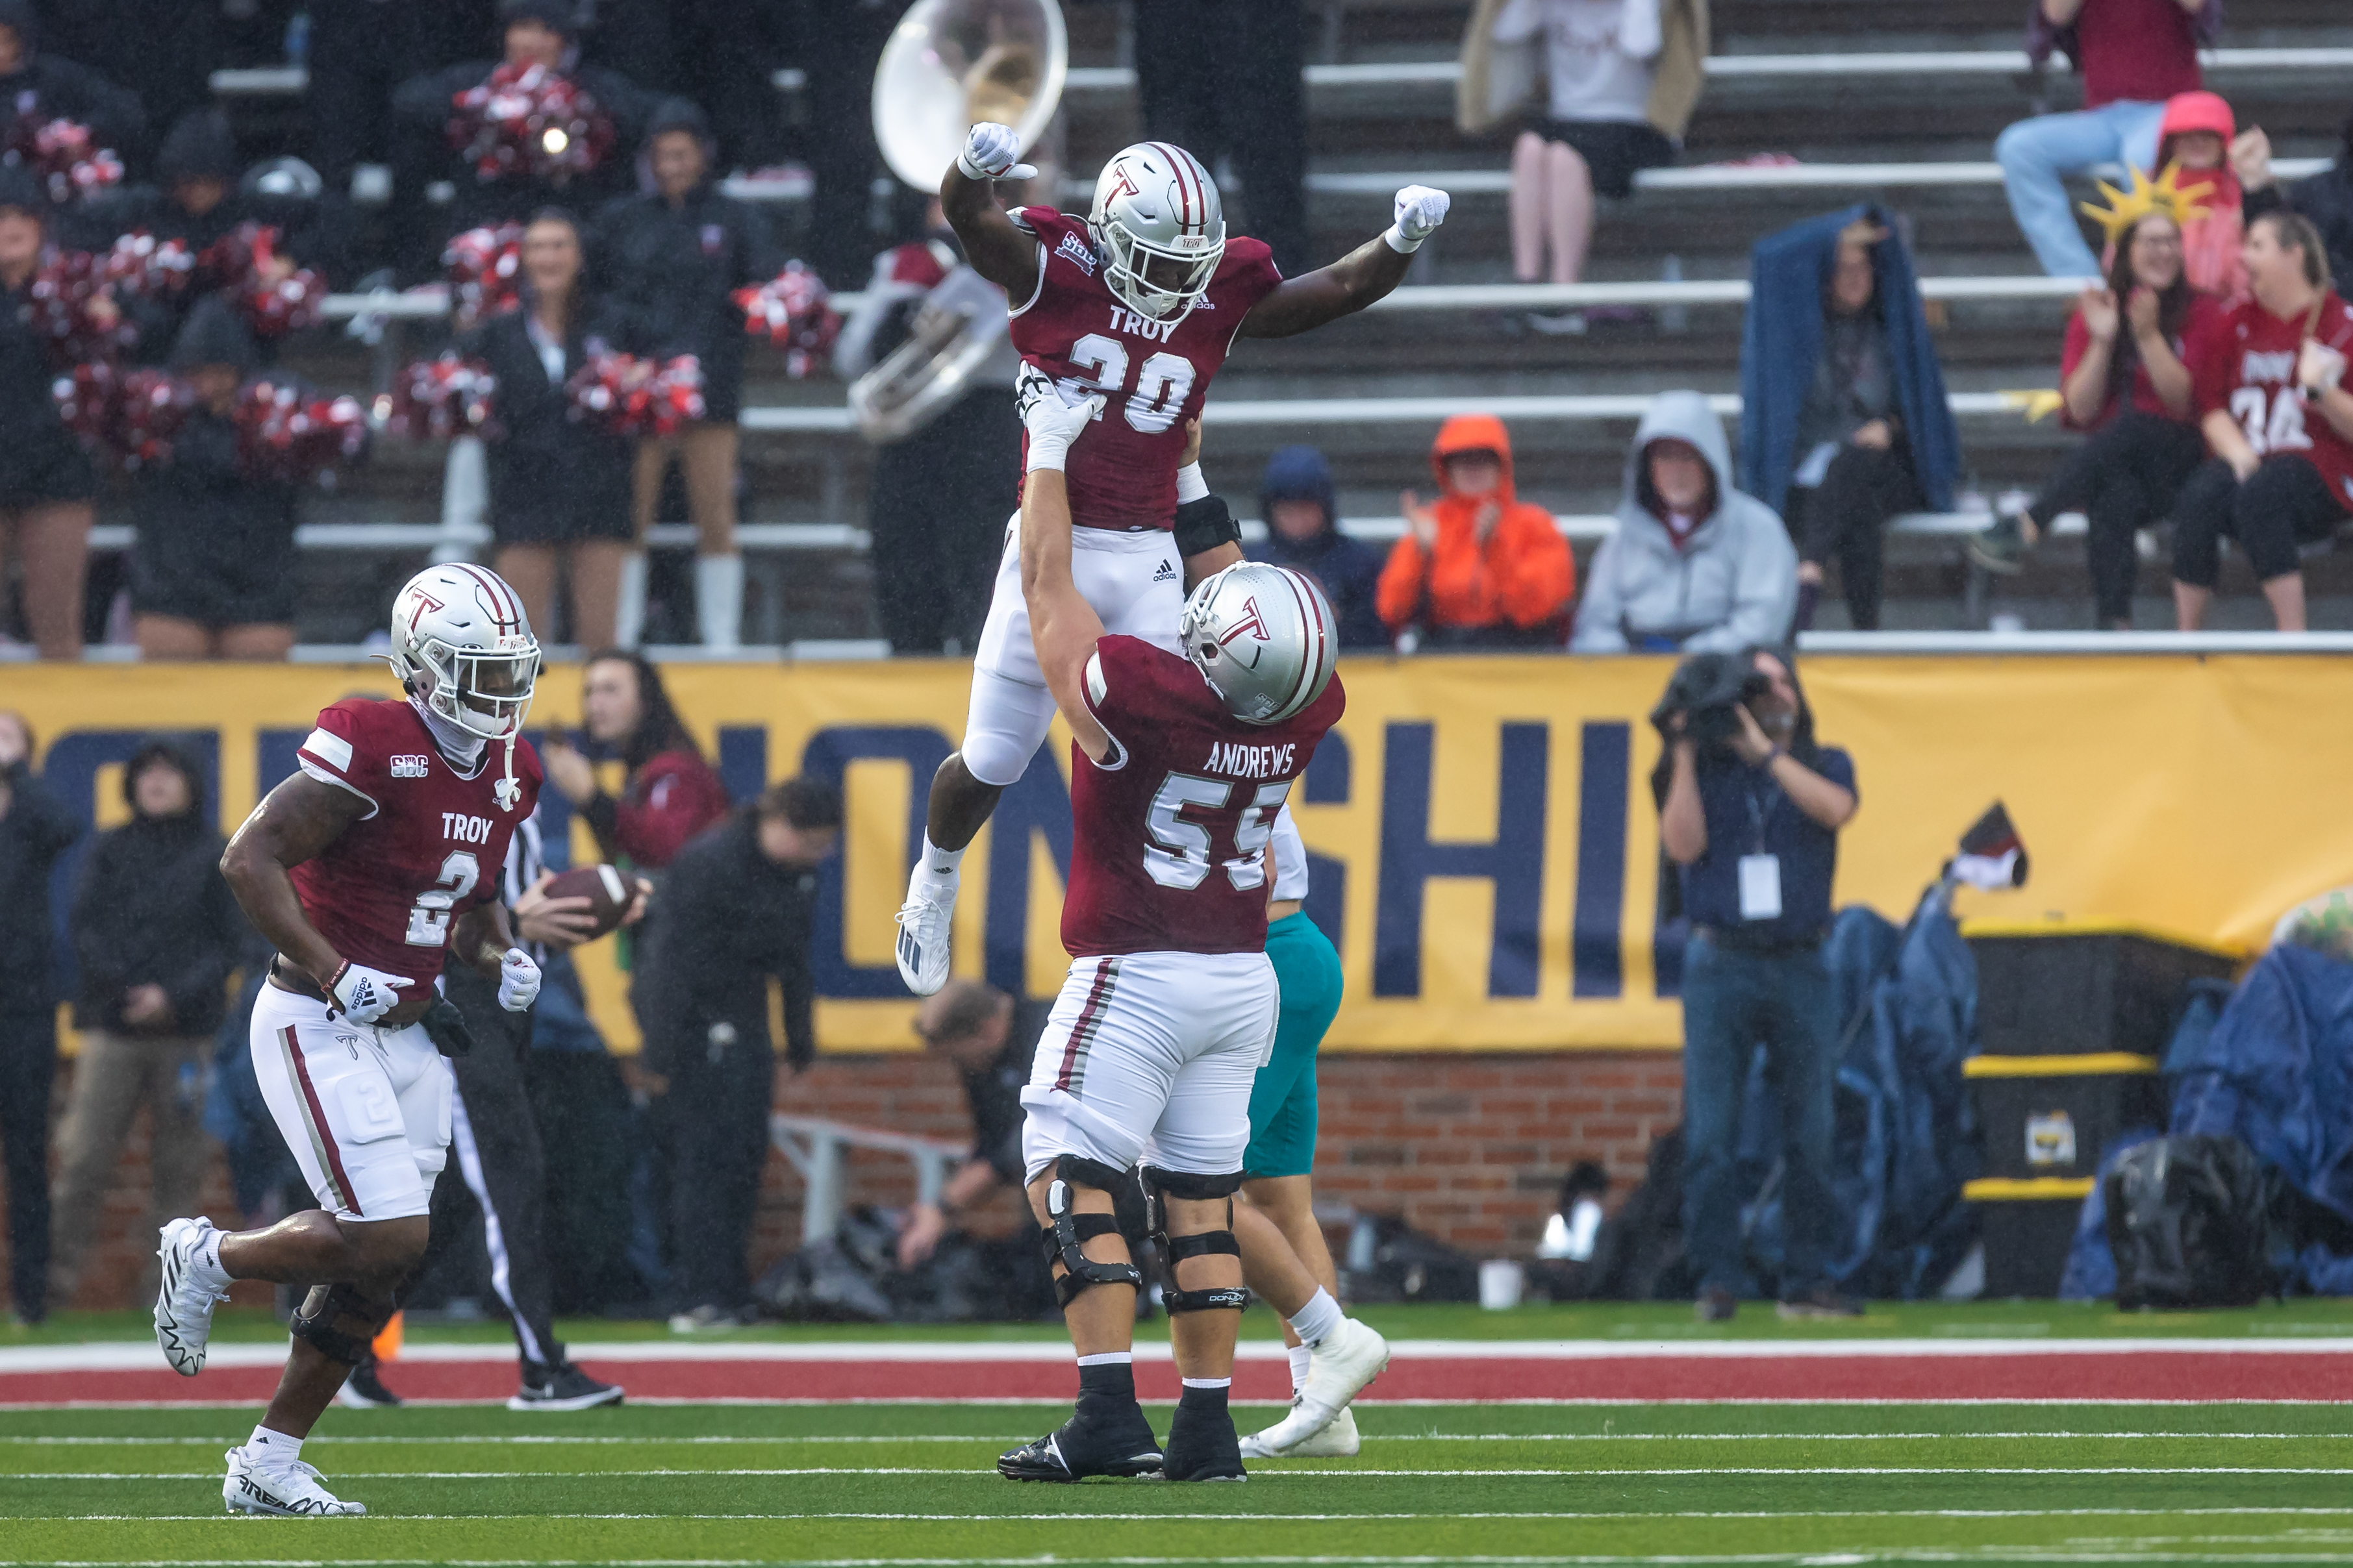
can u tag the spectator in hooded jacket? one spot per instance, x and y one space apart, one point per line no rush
532 33
46 482
559 485
2133 55
41 87
155 934
35 830
198 200
679 253
1847 422
1695 566
2326 198
669 792
212 571
2194 142
1302 533
1479 567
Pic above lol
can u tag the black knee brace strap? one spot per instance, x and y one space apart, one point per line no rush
1204 1244
1070 1228
321 1318
1205 524
1187 1185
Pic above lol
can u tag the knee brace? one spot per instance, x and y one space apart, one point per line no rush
1160 1185
1063 1237
339 1321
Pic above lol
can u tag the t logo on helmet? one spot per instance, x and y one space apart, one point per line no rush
1251 622
425 602
1124 184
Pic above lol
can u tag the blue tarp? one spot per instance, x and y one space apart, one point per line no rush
1906 1130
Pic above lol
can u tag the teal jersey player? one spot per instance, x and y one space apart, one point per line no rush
1307 968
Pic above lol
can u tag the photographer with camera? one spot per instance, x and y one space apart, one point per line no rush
1750 813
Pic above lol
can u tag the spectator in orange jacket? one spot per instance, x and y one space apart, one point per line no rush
1480 568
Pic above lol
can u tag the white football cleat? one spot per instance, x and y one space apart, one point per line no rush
184 1306
924 923
1338 1440
1351 1357
253 1486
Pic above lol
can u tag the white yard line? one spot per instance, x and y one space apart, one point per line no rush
1352 1473
530 1439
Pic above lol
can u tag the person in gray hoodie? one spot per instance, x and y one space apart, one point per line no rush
1695 566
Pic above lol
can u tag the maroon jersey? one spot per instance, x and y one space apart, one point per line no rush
1169 852
1154 375
432 845
2245 364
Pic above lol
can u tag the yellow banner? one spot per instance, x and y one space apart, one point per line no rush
1486 846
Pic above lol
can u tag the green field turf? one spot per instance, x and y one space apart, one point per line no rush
877 1484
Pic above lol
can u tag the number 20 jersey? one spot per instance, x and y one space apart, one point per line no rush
386 892
1171 832
1154 375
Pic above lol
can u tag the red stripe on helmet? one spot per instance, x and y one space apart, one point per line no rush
501 597
1183 177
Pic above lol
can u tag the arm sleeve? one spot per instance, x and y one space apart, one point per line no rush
1600 628
1765 596
1638 35
2254 205
1399 593
1543 573
800 1012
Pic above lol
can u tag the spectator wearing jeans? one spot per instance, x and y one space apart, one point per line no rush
1620 79
735 912
1694 564
33 831
1754 825
2133 54
156 935
2123 378
1479 567
2326 198
2268 383
46 478
1302 531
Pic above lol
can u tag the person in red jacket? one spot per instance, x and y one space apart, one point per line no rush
669 794
1479 567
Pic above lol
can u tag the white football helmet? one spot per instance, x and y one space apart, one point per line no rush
461 642
1160 227
1262 637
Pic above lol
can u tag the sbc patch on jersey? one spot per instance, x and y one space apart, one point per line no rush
1078 252
411 767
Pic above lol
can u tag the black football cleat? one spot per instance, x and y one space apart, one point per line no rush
363 1390
1202 1447
1083 1448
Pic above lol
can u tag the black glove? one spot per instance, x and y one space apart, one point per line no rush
445 1028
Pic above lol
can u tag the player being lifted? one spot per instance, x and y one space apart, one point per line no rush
365 869
1179 765
1138 304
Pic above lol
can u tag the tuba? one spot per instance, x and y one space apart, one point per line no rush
949 63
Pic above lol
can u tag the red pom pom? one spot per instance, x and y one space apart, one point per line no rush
130 418
273 296
484 267
71 310
284 435
65 156
796 314
435 399
141 265
532 121
632 396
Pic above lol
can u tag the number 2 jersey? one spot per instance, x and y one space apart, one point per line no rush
429 847
1170 832
2244 366
1154 375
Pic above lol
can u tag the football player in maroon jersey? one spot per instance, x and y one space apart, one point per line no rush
1179 766
366 869
1138 304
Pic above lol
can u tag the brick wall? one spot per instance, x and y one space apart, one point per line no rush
1468 1148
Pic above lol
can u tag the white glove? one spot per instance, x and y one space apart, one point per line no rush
1052 421
992 152
518 981
364 995
1419 210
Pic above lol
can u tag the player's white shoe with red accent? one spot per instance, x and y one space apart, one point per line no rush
1337 1371
184 1306
256 1486
923 927
1336 1441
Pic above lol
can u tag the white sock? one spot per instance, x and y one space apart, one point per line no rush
275 1446
1319 1319
630 613
1300 1356
1208 1383
718 599
1108 1358
207 1259
938 861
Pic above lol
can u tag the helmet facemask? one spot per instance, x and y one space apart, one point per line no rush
1152 281
483 692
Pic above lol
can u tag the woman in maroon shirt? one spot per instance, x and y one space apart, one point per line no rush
2122 377
669 794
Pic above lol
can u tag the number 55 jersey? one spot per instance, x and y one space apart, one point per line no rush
429 847
1171 829
2243 364
1152 374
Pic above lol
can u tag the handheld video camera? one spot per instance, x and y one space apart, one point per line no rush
1706 688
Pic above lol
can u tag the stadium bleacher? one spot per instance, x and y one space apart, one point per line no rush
1921 88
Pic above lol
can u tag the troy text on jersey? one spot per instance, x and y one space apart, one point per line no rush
1123 320
465 829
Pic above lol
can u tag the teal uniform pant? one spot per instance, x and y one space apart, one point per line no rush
1282 1097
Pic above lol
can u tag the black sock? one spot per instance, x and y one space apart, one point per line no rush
1107 1380
1203 1400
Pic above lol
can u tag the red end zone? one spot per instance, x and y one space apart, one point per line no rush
1909 1371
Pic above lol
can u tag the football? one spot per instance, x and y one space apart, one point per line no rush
606 889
